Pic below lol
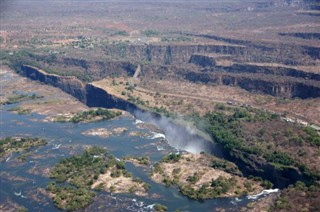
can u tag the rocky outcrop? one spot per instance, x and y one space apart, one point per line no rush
68 84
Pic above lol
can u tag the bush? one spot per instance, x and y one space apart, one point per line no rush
159 207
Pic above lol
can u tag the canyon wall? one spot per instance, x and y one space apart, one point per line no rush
68 84
289 87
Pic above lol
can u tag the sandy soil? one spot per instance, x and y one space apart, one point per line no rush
105 133
189 164
120 184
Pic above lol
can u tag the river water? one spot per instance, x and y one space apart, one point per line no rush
65 139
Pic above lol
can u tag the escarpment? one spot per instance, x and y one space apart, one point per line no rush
288 87
257 67
69 84
98 97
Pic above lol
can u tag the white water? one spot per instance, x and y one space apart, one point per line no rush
17 194
160 148
158 135
138 121
150 206
57 146
264 192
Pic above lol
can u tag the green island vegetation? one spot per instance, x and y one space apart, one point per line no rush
70 198
143 160
208 188
159 207
82 171
17 144
250 134
90 115
216 188
16 98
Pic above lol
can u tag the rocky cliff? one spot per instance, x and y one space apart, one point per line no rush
98 97
70 85
289 87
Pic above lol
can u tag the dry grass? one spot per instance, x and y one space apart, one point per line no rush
120 184
189 164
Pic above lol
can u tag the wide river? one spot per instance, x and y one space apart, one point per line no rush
65 139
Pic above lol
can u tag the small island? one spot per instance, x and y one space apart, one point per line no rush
212 177
95 169
105 133
18 144
89 115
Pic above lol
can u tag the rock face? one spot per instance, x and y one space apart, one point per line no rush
238 50
289 87
168 54
97 97
70 85
202 60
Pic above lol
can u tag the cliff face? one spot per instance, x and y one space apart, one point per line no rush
97 97
269 70
168 54
70 85
238 50
272 85
202 60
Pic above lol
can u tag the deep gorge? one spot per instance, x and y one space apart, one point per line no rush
97 97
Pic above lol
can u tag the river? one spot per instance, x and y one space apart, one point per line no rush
65 139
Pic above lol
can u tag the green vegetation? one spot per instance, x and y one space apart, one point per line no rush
15 144
171 158
230 131
16 98
20 110
136 100
90 115
298 197
176 39
159 207
70 198
312 136
150 32
196 185
225 166
82 170
217 188
144 160
41 61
